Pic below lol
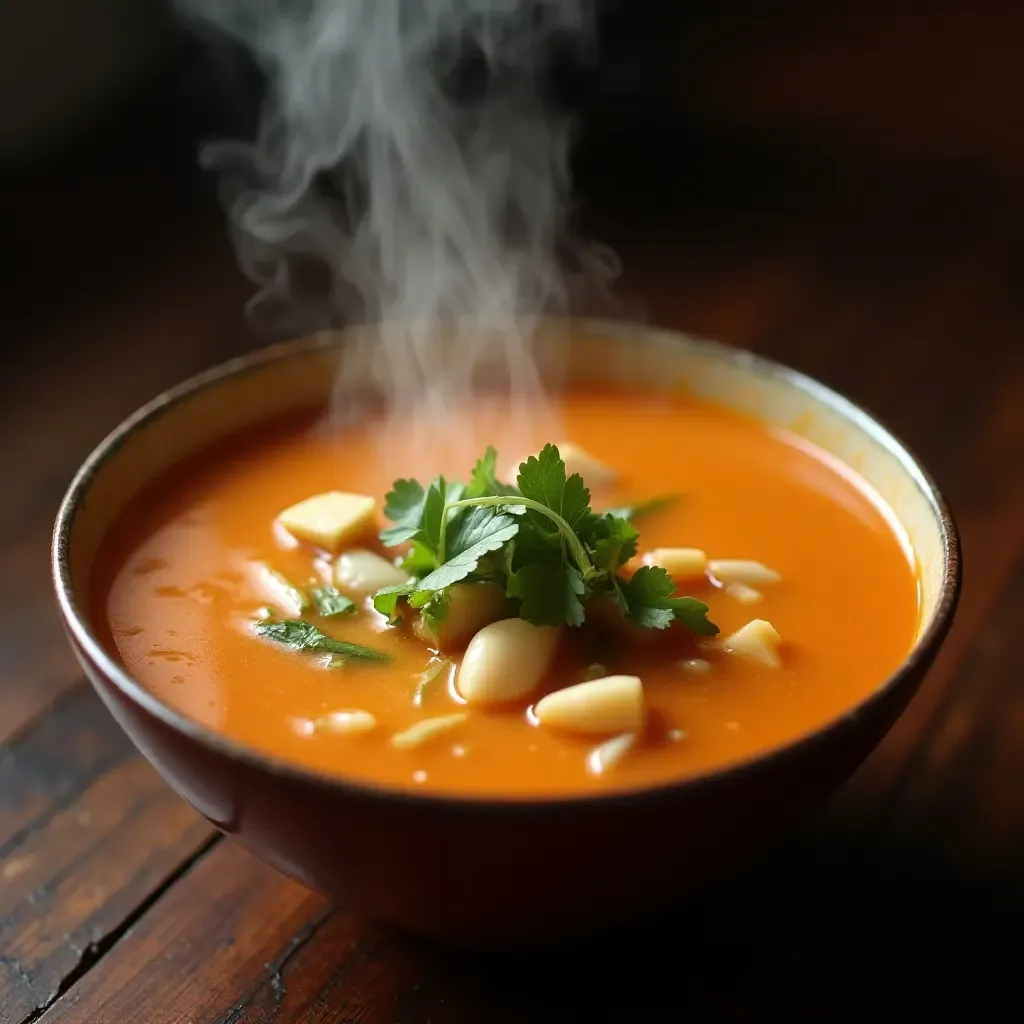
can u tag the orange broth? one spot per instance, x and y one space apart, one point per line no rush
177 602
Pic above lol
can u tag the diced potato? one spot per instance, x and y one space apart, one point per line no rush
695 666
331 520
345 722
757 641
738 570
744 594
614 704
471 606
679 563
422 732
360 573
610 753
505 661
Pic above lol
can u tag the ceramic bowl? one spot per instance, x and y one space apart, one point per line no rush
547 869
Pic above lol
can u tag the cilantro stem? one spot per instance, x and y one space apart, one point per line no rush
569 538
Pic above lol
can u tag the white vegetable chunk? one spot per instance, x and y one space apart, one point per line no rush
738 570
505 661
471 606
695 666
614 704
422 732
331 520
360 573
757 641
605 757
679 563
744 594
345 722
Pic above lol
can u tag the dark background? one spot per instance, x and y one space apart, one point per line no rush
836 184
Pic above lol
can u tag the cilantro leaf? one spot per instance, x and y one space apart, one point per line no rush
484 481
542 479
479 532
550 593
420 560
616 545
386 600
299 635
649 596
403 505
329 602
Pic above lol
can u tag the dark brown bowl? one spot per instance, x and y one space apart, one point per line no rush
498 871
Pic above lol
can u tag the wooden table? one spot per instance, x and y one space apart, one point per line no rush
902 284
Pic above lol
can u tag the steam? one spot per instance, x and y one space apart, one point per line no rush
406 149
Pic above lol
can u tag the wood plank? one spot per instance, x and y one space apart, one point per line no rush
224 927
88 834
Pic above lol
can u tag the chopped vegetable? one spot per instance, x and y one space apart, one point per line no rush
610 753
614 704
331 520
744 594
283 589
539 541
679 563
505 661
428 729
345 722
425 678
466 608
736 570
360 573
757 641
299 635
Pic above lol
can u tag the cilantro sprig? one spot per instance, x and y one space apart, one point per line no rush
539 540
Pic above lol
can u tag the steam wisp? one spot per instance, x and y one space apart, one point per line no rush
406 148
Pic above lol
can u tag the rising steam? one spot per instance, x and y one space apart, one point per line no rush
405 146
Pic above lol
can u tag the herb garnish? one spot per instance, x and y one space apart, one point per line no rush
299 635
330 602
540 541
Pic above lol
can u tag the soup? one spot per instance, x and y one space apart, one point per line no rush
255 612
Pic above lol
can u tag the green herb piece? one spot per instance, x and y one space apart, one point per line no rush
648 595
299 635
284 589
643 508
330 602
540 541
424 679
550 593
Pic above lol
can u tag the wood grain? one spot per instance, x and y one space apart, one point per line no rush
227 925
89 834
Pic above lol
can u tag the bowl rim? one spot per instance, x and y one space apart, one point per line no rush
925 646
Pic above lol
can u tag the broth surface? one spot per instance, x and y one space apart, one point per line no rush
176 599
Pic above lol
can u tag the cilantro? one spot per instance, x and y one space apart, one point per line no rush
329 602
299 635
540 541
550 593
648 595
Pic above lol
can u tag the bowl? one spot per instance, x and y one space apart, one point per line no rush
542 870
